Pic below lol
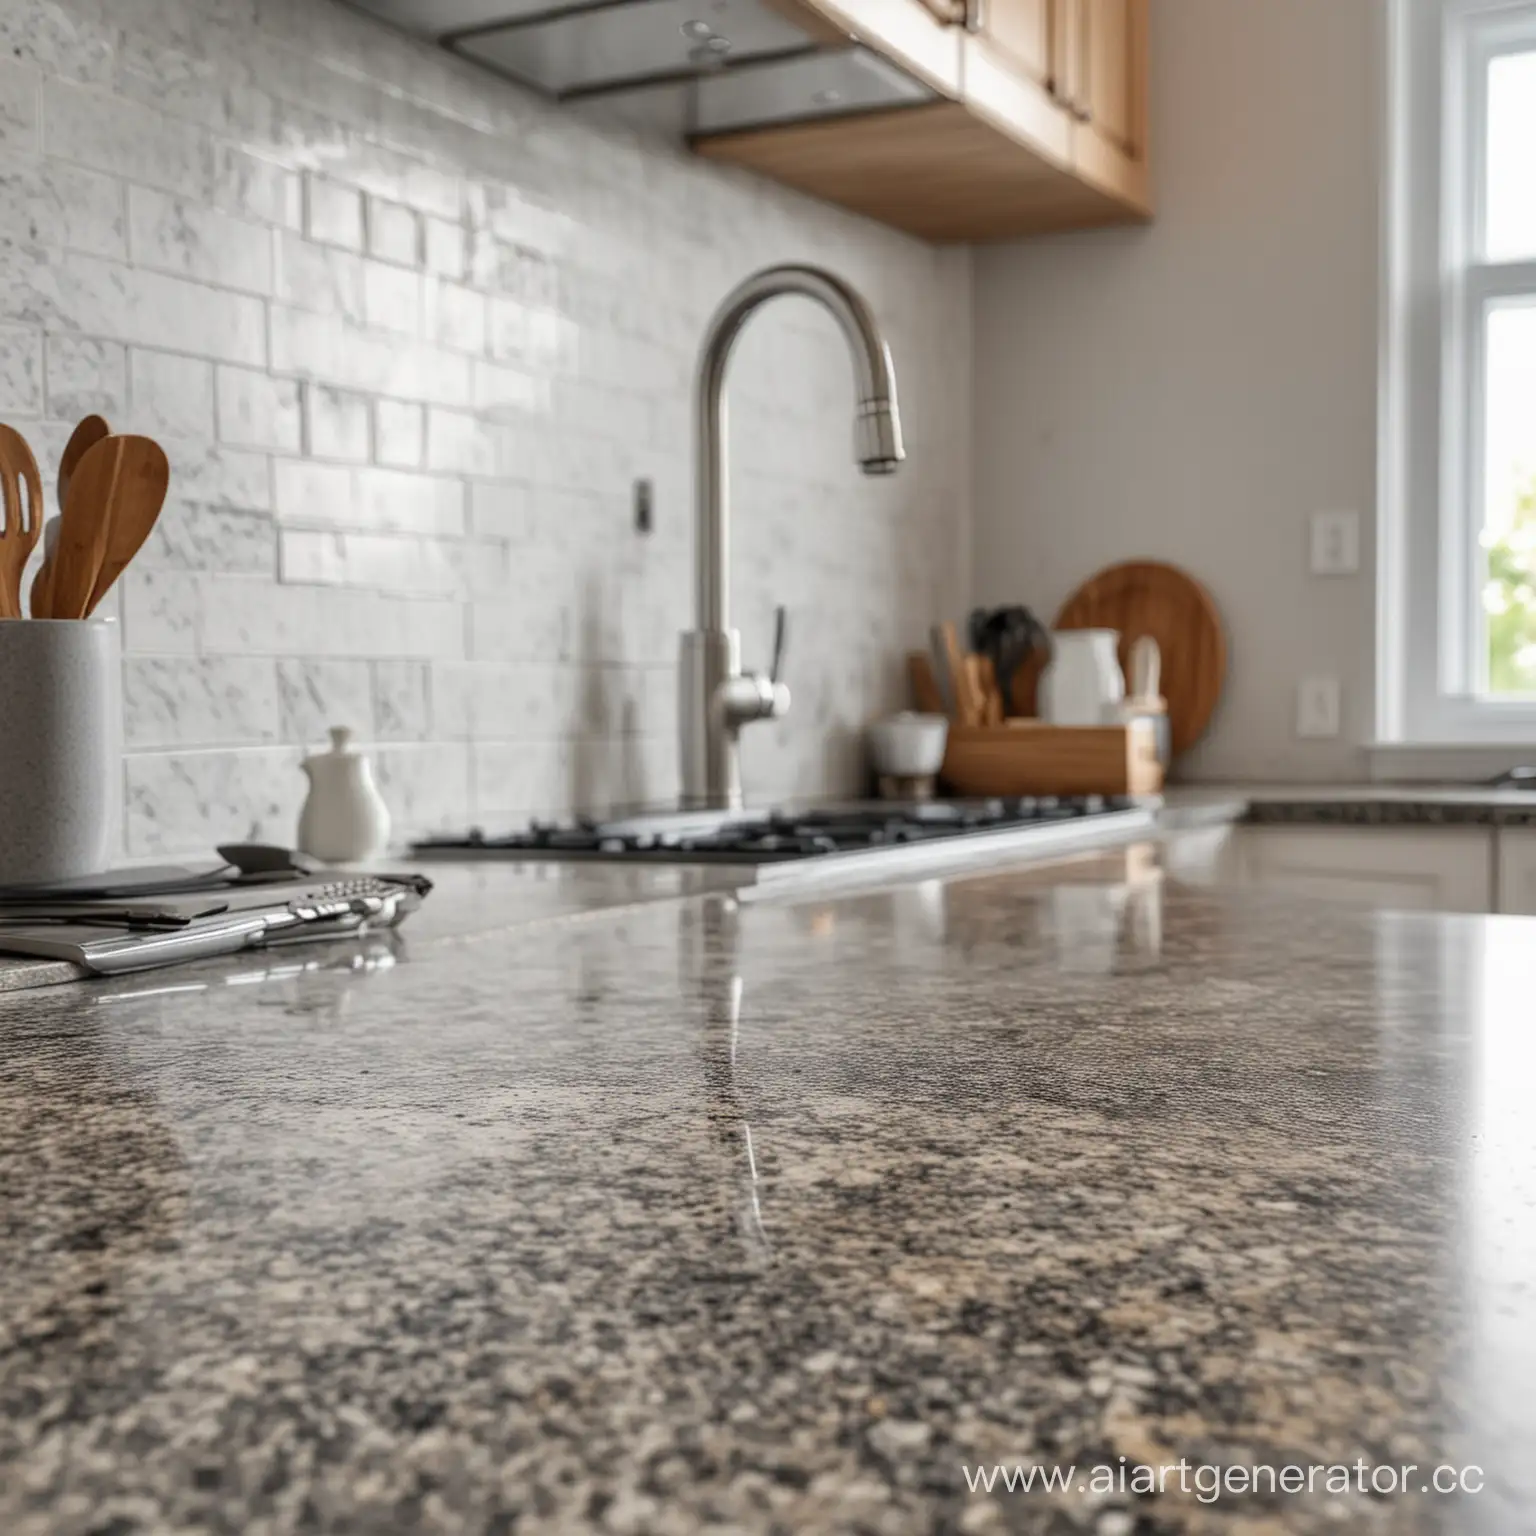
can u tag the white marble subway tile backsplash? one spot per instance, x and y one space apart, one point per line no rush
410 335
338 423
21 370
86 377
256 410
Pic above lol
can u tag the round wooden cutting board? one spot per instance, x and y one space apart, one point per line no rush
1145 597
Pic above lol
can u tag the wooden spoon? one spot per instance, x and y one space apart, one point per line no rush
119 478
22 521
44 578
140 496
85 437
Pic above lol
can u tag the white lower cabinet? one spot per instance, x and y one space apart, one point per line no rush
1426 869
1517 870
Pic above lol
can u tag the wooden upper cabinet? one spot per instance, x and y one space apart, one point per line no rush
1038 121
1108 29
1020 30
1110 139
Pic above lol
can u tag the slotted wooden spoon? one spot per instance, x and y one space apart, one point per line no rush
22 519
90 431
115 494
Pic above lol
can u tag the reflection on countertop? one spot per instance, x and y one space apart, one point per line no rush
472 901
778 1218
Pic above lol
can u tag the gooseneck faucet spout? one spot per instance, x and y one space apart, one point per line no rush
716 698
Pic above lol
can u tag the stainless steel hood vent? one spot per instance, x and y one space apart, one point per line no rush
692 66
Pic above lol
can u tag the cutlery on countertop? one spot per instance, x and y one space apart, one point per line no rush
23 516
86 435
115 495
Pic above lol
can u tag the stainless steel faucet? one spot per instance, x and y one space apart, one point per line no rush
716 698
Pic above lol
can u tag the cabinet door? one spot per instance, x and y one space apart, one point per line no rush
1021 32
1517 870
1106 44
1067 34
1394 868
1100 73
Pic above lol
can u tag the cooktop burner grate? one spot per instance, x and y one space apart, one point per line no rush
779 836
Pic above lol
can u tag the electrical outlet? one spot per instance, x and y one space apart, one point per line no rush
1335 543
1317 707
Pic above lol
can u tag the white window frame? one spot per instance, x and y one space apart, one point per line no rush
1437 289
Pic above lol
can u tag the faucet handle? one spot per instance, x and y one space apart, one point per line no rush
780 628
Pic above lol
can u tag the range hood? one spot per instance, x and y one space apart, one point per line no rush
690 66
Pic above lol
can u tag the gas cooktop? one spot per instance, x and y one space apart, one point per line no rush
873 836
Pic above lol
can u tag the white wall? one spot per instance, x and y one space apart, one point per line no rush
409 334
1193 390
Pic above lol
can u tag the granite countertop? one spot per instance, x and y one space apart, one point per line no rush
1354 804
488 894
698 1217
471 899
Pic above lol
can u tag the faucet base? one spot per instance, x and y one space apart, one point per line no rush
709 754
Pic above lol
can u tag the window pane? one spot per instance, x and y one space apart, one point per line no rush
1509 498
1511 190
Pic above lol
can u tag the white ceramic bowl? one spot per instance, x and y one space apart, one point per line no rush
908 745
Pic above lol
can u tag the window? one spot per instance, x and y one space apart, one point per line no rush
1490 191
1458 591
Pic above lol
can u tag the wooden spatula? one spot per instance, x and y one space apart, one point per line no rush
140 495
90 431
119 483
85 437
968 703
22 519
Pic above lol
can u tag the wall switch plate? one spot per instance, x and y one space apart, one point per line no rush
1335 543
1317 707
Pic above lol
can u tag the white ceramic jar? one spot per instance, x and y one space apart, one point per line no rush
1083 684
61 764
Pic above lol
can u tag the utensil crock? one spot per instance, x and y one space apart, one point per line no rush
60 749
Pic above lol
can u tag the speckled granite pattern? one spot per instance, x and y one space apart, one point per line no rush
1393 813
773 1219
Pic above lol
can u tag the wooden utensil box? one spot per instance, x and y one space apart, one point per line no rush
1028 757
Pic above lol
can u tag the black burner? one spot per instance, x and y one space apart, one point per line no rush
779 836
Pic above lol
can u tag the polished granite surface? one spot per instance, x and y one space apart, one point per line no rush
692 1217
472 899
1385 805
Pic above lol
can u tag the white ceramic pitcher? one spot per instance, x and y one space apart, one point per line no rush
345 819
1083 684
